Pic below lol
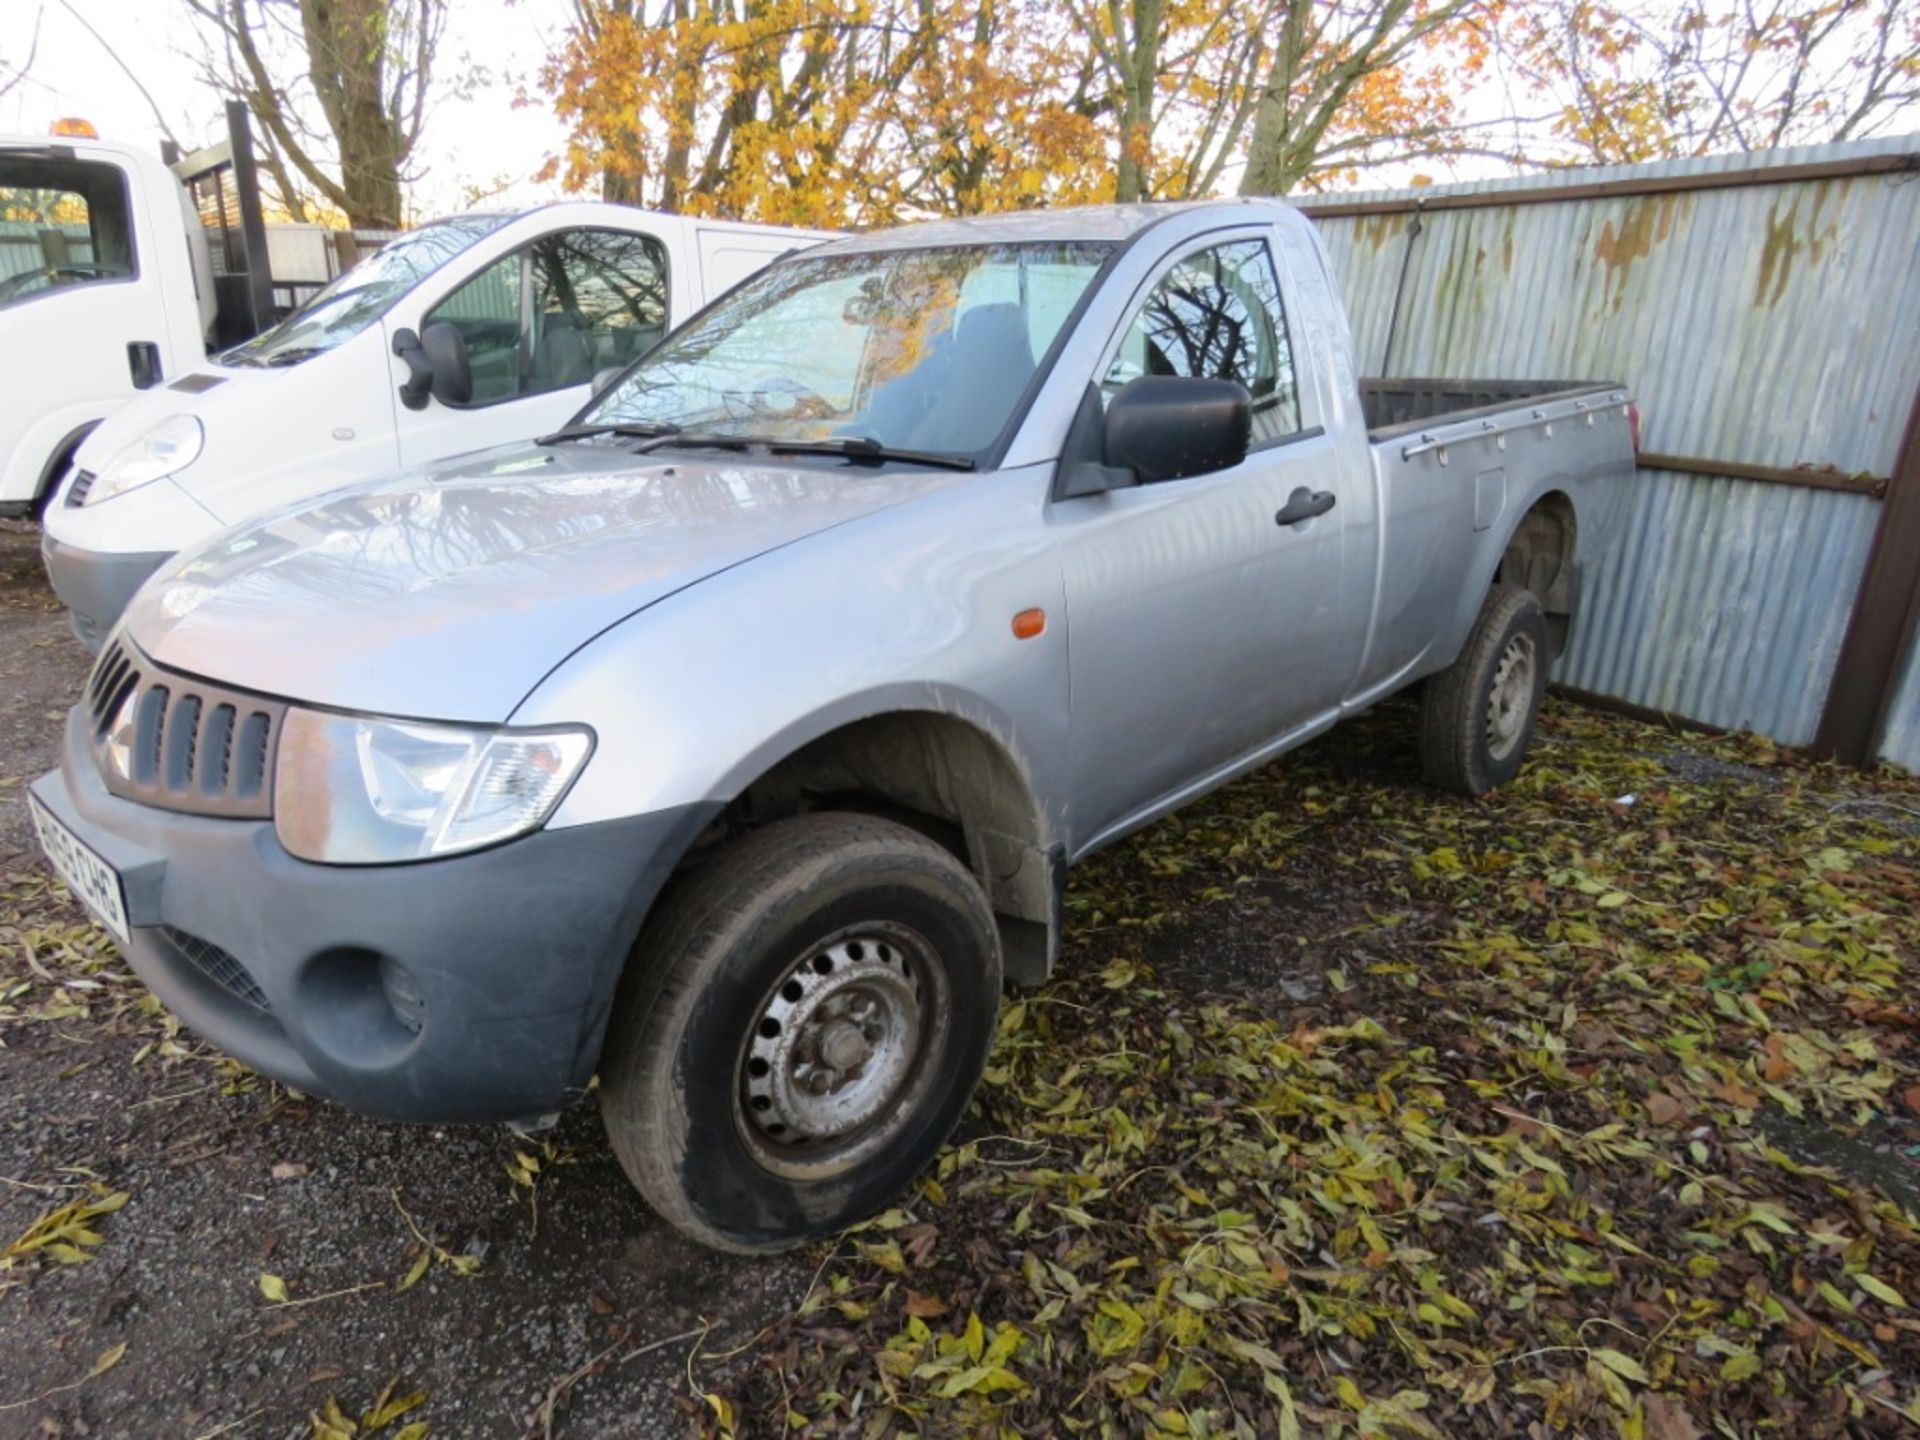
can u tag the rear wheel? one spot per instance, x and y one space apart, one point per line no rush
1477 716
804 1020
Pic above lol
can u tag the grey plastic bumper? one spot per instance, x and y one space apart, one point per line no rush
95 585
471 988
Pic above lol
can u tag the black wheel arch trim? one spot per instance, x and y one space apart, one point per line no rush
61 457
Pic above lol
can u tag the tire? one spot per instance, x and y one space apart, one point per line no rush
1477 716
790 953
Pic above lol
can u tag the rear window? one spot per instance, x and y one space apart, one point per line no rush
62 223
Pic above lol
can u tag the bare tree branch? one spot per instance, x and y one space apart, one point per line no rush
159 116
19 70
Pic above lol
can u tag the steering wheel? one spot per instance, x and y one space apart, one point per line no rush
52 275
803 401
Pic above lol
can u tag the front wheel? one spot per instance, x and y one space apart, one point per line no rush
1477 716
804 1019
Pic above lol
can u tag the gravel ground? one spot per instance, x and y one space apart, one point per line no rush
518 1288
229 1177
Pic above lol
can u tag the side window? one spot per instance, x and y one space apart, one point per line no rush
599 300
61 223
486 312
1217 313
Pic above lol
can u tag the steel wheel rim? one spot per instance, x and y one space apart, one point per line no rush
836 1060
1510 697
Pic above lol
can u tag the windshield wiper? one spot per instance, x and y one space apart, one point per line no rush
288 357
861 448
865 447
659 435
634 429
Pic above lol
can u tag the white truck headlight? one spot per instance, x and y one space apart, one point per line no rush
348 790
170 446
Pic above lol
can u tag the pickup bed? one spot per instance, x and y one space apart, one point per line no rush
731 743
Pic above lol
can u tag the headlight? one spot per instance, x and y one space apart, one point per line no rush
170 446
353 791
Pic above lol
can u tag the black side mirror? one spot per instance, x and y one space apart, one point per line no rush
1159 427
446 351
1166 427
437 365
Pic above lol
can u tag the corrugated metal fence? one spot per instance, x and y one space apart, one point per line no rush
1767 318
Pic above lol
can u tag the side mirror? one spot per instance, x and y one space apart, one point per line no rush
1159 427
437 365
1166 427
603 380
446 351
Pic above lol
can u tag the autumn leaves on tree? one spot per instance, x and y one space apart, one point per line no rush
831 111
822 111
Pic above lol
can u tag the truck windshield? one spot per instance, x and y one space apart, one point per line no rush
360 296
915 350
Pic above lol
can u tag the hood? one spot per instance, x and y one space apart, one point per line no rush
450 593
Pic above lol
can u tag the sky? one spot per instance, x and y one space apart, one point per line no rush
478 141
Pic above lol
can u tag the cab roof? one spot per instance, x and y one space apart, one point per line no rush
1111 223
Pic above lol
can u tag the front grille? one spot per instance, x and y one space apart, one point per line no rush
82 483
179 743
217 965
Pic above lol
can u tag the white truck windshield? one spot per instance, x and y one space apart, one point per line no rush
354 300
926 350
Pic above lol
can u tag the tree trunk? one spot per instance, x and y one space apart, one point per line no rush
1140 55
1272 166
348 63
1274 161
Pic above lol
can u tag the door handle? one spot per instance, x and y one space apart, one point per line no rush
1303 505
143 363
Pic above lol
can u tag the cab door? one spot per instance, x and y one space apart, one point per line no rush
83 314
538 324
1207 615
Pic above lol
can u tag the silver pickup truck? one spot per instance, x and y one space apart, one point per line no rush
732 743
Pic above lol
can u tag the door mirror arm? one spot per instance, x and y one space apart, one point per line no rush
418 385
1083 463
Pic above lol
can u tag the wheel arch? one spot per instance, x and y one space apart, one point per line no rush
944 775
56 464
1539 553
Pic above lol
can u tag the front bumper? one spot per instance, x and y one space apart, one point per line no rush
471 988
95 585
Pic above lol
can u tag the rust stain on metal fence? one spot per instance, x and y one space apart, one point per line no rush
1644 224
1766 312
1784 245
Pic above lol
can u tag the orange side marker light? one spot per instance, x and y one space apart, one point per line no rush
1029 623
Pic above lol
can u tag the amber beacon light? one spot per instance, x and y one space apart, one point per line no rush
75 128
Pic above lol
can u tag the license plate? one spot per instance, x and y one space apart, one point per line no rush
91 879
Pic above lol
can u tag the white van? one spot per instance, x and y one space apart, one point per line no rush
465 333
